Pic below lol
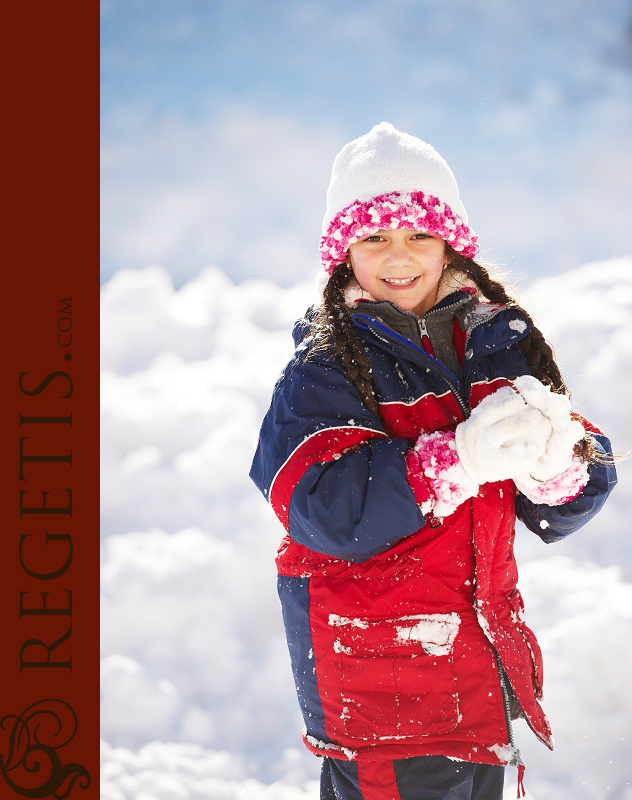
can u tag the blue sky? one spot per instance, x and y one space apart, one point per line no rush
220 120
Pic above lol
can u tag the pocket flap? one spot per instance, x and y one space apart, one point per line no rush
433 634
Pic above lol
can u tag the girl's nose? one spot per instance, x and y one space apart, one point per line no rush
398 252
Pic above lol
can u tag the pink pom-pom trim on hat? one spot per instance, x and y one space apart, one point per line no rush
415 211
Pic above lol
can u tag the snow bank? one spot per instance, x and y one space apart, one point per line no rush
587 314
167 771
583 616
198 699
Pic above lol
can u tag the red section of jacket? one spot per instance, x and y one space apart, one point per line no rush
388 693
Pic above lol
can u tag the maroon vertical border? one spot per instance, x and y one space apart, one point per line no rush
49 453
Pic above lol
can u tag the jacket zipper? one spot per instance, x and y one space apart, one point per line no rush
502 675
432 364
515 759
421 321
423 330
436 310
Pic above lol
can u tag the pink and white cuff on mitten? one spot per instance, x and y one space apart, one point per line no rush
557 490
418 482
436 476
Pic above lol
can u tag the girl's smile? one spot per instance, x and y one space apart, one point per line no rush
401 266
400 282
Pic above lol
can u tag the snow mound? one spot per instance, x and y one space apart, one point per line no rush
167 771
198 698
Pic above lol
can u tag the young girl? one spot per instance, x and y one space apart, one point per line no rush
421 413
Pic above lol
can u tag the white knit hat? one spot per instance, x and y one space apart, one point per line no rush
389 179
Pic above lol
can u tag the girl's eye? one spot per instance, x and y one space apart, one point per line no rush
421 236
374 238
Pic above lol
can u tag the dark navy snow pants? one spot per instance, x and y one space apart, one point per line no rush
419 778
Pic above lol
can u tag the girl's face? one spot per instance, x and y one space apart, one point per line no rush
400 265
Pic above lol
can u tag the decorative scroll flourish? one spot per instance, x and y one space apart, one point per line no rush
31 766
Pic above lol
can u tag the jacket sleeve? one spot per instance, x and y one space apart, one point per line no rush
334 478
552 523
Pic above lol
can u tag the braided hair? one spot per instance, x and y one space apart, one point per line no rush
333 322
537 351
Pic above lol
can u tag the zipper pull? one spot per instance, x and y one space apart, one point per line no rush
517 761
521 769
425 339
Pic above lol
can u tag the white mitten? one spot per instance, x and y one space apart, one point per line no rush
565 432
504 437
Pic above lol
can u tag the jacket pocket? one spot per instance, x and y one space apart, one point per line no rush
396 675
536 657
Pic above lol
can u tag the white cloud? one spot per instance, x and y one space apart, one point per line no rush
245 190
220 124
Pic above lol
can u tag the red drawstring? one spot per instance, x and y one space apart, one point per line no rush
521 781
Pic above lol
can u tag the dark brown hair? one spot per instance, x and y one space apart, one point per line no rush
537 351
335 328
